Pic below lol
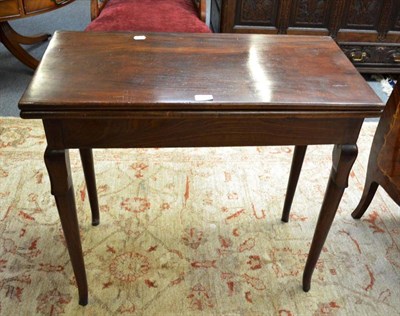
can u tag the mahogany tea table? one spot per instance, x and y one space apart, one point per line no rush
123 90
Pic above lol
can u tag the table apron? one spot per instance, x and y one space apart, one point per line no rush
199 132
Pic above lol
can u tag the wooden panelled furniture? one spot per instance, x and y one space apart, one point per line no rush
262 94
16 9
368 31
384 159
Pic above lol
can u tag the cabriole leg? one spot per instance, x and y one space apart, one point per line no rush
343 159
58 166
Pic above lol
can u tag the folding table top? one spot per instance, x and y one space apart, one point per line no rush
94 71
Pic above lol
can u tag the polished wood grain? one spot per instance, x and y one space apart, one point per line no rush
384 159
202 131
114 92
168 70
15 9
9 9
367 31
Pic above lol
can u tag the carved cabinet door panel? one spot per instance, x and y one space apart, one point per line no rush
256 16
393 23
362 14
371 16
370 33
396 25
310 17
258 12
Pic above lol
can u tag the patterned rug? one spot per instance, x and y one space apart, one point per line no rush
192 232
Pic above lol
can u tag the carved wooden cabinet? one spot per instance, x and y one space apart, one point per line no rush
368 31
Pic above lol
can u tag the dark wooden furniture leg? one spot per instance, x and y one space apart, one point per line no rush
12 41
90 178
161 111
368 194
384 158
297 163
58 166
343 159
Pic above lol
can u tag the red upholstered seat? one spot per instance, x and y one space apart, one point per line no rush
149 16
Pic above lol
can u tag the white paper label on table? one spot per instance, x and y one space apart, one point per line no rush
203 97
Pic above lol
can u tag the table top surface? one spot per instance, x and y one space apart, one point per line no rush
91 71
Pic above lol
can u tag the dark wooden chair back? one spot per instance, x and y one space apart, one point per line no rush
384 159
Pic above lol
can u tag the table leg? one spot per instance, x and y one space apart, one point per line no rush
12 41
297 163
370 188
343 159
90 178
58 166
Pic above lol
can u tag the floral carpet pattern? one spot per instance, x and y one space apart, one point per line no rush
193 231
